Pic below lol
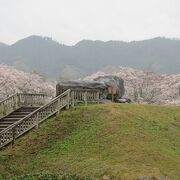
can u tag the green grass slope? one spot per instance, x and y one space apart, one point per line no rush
117 140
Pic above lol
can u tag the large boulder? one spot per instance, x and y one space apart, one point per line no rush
79 85
104 84
115 82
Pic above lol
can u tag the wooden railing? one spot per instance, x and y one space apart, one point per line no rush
55 106
18 100
8 105
86 96
20 127
33 100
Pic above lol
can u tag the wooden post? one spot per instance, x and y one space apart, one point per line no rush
72 98
18 100
37 119
68 100
43 100
98 98
85 98
13 136
37 126
58 107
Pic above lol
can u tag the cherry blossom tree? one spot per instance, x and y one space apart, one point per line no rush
147 87
13 81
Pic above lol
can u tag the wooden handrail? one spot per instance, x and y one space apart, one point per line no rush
65 99
16 94
42 94
20 127
42 107
18 100
8 105
7 98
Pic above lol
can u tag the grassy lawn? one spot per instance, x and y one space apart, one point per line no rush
121 141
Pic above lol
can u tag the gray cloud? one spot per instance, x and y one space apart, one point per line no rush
69 21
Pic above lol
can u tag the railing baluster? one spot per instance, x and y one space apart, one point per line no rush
64 100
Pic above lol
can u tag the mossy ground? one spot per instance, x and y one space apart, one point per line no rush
123 141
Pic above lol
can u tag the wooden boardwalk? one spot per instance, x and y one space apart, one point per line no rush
22 112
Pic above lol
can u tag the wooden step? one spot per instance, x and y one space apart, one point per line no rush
26 109
3 126
20 113
7 122
9 118
17 116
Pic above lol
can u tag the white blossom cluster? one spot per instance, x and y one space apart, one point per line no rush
147 87
13 81
140 86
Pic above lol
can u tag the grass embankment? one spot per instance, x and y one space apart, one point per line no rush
118 140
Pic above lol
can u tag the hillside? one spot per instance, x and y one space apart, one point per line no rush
53 59
114 140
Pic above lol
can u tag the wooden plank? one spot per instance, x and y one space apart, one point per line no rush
56 105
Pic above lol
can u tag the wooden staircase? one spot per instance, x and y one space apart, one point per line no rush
15 116
20 113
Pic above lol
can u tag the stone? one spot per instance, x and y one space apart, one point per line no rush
113 81
106 177
106 85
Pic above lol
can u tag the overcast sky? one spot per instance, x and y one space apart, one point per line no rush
69 21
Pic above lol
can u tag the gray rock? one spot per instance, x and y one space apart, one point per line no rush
113 81
103 84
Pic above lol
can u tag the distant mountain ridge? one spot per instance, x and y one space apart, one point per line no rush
51 58
3 45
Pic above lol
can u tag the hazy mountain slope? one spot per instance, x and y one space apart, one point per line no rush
158 54
51 58
36 53
2 45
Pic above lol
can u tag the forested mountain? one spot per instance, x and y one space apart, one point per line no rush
53 59
2 45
